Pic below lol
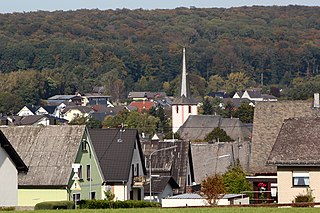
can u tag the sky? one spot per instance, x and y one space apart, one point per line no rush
9 6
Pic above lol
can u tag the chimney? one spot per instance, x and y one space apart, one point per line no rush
316 101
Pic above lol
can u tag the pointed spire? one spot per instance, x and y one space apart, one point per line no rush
184 87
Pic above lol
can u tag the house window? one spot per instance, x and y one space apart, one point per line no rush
189 109
300 178
93 195
177 109
88 172
80 172
137 169
134 145
76 197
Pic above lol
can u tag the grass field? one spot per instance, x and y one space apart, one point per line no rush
187 210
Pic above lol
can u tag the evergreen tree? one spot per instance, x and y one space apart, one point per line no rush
207 107
218 134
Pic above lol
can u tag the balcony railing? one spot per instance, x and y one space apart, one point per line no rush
138 180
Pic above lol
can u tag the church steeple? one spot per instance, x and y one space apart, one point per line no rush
183 91
183 105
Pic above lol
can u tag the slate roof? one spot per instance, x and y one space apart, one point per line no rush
48 151
115 157
137 95
268 119
159 184
62 97
197 127
298 143
184 100
254 93
171 162
206 160
236 102
14 156
50 109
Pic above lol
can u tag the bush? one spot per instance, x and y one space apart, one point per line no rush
55 205
106 204
304 200
7 208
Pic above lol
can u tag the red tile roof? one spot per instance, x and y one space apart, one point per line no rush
142 105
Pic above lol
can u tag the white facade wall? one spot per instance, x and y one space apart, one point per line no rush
199 202
180 114
41 111
120 192
8 180
73 113
25 112
183 202
286 191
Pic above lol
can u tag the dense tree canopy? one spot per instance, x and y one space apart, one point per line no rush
125 50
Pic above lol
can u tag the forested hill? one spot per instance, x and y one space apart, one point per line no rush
125 50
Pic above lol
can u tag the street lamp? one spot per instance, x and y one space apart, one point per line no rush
158 150
85 143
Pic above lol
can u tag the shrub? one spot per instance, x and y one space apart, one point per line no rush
107 204
304 200
7 208
55 205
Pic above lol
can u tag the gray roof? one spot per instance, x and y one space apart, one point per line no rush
62 97
137 95
173 162
186 196
14 156
298 143
211 158
197 127
254 93
268 119
115 157
236 102
48 151
184 100
159 184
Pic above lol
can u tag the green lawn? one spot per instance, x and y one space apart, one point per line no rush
191 210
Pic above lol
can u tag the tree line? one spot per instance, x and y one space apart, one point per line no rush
47 53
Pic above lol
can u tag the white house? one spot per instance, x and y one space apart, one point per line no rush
10 165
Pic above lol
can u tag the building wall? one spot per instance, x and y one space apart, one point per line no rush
83 158
136 159
8 180
120 191
73 113
183 202
30 197
286 191
25 112
178 118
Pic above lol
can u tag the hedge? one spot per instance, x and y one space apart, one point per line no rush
106 204
55 205
7 208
